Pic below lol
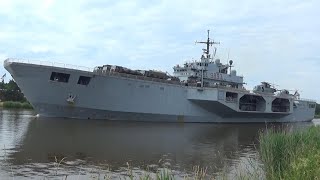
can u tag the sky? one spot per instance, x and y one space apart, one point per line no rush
273 41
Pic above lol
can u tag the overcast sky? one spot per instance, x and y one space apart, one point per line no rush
274 41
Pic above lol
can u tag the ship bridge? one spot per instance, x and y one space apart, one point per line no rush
208 71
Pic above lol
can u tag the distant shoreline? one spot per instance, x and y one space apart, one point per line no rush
15 105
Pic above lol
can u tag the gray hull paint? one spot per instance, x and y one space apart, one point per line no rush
118 98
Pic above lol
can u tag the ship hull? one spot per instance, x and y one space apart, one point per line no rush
86 113
127 99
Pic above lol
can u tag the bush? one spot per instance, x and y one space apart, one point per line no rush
17 105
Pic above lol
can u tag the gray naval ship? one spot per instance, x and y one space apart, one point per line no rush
204 90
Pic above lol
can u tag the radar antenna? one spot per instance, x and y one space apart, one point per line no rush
208 43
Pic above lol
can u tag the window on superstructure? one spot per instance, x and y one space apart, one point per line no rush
59 77
84 80
312 105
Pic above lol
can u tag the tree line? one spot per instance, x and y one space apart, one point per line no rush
11 92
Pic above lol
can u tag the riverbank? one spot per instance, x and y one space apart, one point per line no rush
15 105
284 154
291 155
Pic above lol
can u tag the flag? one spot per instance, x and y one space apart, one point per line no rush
3 76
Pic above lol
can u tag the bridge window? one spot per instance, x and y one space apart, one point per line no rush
84 80
59 77
312 105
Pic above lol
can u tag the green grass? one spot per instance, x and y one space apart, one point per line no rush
291 155
317 116
16 105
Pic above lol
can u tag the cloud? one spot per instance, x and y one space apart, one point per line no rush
272 40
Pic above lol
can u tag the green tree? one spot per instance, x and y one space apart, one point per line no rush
2 85
11 92
12 86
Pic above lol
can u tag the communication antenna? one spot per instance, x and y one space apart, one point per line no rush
208 43
215 51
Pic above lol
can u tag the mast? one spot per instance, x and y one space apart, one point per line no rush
208 43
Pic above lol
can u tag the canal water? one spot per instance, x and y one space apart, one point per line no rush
40 148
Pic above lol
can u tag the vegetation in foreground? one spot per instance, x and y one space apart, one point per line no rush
11 92
16 105
291 155
12 97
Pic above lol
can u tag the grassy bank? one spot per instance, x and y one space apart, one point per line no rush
291 155
15 105
317 116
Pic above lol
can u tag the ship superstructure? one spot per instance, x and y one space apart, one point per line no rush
205 90
208 71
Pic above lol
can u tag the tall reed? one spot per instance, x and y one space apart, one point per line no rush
291 155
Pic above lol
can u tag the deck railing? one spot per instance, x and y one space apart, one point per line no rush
50 63
305 99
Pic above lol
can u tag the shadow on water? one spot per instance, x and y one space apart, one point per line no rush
98 144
